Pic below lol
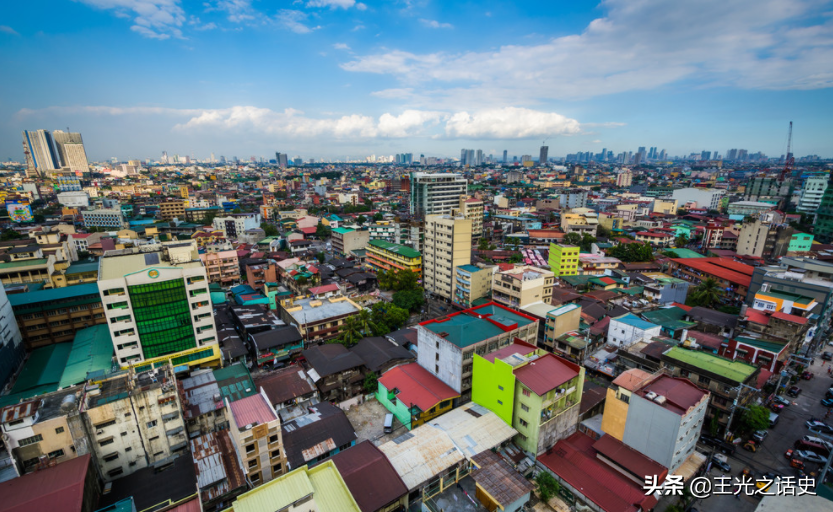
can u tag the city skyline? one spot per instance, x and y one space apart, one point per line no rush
336 78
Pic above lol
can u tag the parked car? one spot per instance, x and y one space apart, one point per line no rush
810 457
818 426
726 448
818 440
827 356
807 375
794 391
781 400
776 407
789 454
829 393
827 402
709 440
722 465
760 435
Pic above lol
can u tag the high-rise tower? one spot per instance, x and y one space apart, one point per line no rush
39 149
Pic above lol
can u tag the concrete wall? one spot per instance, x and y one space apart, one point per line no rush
615 414
652 430
493 387
624 335
448 368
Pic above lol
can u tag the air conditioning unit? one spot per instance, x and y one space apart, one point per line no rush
99 432
765 287
659 399
650 395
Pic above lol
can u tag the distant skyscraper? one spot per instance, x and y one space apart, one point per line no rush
62 138
39 150
282 159
543 155
505 157
705 155
478 159
164 157
463 154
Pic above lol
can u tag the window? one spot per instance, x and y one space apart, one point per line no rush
30 440
523 422
152 424
500 402
273 439
526 392
250 448
15 422
114 472
704 380
112 456
105 442
500 387
56 454
105 424
252 463
59 430
255 478
274 454
524 408
276 469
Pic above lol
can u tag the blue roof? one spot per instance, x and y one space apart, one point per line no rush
69 292
468 268
635 321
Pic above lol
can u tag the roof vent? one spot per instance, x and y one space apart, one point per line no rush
659 399
650 395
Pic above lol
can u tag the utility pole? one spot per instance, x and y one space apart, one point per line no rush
735 405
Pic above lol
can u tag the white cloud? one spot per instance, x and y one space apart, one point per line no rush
341 46
358 27
237 11
510 123
435 24
156 19
638 45
337 4
295 21
8 30
408 123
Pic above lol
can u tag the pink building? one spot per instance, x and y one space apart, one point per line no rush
222 267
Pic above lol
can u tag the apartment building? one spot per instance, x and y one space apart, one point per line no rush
811 194
346 240
385 231
664 206
447 245
158 307
318 319
436 193
221 267
708 198
658 415
448 344
580 220
172 209
255 430
472 283
236 224
12 347
474 210
564 259
536 393
134 420
627 329
522 286
596 264
560 320
382 255
109 219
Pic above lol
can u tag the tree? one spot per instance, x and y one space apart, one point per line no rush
361 219
10 234
269 229
632 252
513 242
483 244
302 281
377 217
714 425
322 231
586 241
237 210
572 239
371 383
410 300
387 317
602 232
548 486
705 294
681 240
755 417
398 280
321 257
516 258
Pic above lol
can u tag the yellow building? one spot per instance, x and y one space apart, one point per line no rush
382 255
447 245
665 206
522 286
473 210
172 209
564 259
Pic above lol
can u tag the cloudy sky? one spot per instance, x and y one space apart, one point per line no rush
342 78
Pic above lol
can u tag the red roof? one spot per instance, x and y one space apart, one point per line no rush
757 317
308 231
722 268
188 506
515 348
631 460
57 488
574 460
416 386
370 476
505 266
789 318
607 280
680 394
682 306
546 373
324 289
252 410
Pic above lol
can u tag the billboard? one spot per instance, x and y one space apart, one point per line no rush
19 211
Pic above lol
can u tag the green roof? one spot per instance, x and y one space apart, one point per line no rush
735 371
342 231
43 370
669 318
235 382
92 351
464 330
402 250
469 268
23 263
69 292
799 299
686 253
771 346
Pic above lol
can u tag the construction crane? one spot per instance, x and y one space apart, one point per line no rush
788 160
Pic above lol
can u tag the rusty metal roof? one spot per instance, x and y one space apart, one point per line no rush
19 411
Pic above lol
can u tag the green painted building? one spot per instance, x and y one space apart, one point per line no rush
800 242
413 395
535 392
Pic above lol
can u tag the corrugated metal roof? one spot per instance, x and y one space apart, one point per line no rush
252 410
68 292
92 350
19 411
323 483
545 374
370 476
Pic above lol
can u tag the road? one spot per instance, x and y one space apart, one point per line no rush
770 456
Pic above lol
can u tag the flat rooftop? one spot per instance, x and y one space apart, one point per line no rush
115 267
736 371
316 310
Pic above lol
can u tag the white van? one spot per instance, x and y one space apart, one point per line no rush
388 423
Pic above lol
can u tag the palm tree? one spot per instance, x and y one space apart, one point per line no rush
706 293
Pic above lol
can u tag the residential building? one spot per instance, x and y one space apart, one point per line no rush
741 209
318 319
712 236
580 220
762 188
320 489
522 286
39 149
658 415
596 264
413 395
811 194
108 219
665 206
800 242
628 329
656 239
665 289
752 238
472 283
386 231
435 193
769 354
732 276
316 436
275 345
538 394
221 267
371 479
560 320
219 476
236 224
72 487
720 376
473 209
12 346
47 317
134 420
157 306
70 149
564 259
573 198
708 198
74 199
448 344
346 240
382 255
447 245
172 209
290 391
256 435
624 179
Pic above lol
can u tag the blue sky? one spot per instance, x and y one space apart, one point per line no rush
341 78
